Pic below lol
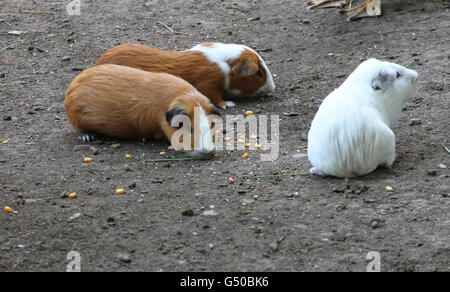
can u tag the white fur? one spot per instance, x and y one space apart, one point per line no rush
205 139
350 134
220 53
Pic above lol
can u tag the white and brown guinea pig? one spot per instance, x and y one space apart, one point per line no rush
351 133
215 69
125 102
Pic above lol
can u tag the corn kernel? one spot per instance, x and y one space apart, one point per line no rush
8 209
227 138
218 132
245 155
128 155
247 145
91 148
73 195
249 113
231 180
388 188
253 137
163 153
88 160
240 141
120 191
257 146
6 141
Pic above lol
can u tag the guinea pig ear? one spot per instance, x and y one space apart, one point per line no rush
245 67
174 112
384 79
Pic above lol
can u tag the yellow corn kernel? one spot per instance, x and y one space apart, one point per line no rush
163 153
249 113
253 137
73 195
245 155
218 132
227 138
231 180
388 188
120 191
88 160
8 209
6 141
128 155
91 148
257 146
247 145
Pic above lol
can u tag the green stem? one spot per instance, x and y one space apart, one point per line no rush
446 149
277 175
177 159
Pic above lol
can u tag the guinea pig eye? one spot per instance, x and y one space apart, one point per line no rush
399 75
259 73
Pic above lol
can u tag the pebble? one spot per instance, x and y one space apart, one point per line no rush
127 167
299 155
415 121
188 212
246 202
15 32
432 172
74 216
210 213
115 146
124 258
66 58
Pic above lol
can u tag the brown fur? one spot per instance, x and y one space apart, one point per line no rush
125 102
243 75
192 66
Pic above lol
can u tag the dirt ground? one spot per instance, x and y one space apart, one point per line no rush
298 223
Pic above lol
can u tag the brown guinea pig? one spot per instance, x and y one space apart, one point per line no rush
215 69
125 102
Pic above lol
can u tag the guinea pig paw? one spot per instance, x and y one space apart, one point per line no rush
87 138
229 104
315 171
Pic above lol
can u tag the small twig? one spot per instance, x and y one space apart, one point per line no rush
177 159
277 175
444 41
412 62
273 62
37 12
166 26
446 149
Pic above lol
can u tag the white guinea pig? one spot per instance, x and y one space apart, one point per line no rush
351 133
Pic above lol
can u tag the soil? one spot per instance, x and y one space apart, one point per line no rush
298 223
